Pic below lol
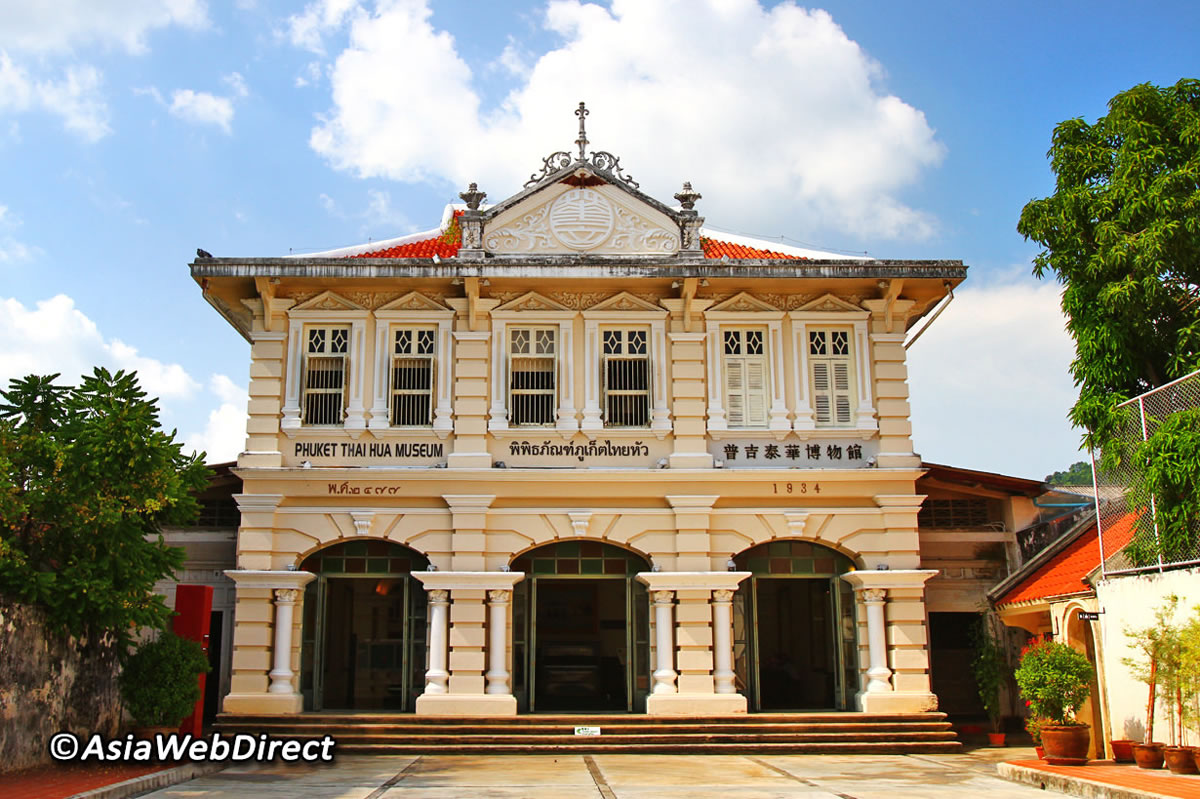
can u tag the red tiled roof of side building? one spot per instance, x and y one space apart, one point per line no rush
715 248
1063 574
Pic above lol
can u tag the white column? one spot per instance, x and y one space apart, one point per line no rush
498 414
380 418
865 416
356 420
443 423
439 613
660 416
664 675
281 675
722 605
878 675
716 380
291 404
497 674
778 412
592 418
567 423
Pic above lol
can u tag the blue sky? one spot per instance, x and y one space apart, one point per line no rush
132 133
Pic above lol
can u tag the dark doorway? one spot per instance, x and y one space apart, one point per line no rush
950 672
797 661
582 645
364 628
212 682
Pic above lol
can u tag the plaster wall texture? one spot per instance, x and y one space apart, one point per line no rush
1129 601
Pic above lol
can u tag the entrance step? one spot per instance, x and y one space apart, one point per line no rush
791 733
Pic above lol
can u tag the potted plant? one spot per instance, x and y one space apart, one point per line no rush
158 682
1173 678
1033 725
1055 680
991 672
1149 642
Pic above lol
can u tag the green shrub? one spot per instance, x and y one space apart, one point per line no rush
1054 680
159 683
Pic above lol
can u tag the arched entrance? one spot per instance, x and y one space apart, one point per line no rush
581 629
363 642
794 629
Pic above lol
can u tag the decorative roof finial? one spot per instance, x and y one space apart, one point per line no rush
473 197
582 141
687 198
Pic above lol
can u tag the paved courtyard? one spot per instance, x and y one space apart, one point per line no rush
620 777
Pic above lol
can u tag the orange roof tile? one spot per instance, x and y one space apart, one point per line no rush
1063 574
715 248
444 245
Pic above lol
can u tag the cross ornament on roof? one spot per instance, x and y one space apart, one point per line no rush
582 141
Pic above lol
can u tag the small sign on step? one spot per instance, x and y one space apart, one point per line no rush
587 730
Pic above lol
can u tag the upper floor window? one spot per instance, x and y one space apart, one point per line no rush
412 377
625 376
746 375
830 368
326 364
532 373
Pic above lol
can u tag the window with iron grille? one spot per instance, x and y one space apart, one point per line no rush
412 377
326 361
625 378
744 354
829 365
954 514
532 375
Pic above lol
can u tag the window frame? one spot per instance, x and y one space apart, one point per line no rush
862 411
831 360
626 311
413 311
750 313
306 359
555 357
325 309
745 360
532 310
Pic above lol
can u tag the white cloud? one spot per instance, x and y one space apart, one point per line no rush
56 336
75 96
224 433
237 84
989 382
56 26
776 116
12 250
202 108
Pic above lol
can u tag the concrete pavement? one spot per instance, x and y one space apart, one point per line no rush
620 777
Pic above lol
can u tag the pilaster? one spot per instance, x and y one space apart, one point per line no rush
265 404
256 533
887 334
687 398
472 355
693 546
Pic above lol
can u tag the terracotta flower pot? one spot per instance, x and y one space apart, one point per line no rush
1148 755
995 739
1196 756
1041 752
1122 750
1066 745
1180 759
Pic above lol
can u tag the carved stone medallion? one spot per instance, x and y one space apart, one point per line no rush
582 219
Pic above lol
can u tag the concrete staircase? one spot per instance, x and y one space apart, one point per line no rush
762 733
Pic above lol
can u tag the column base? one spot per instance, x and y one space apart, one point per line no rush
266 704
469 460
466 705
695 704
895 702
690 460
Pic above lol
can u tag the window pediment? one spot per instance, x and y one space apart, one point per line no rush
624 303
328 301
414 301
829 302
742 302
531 301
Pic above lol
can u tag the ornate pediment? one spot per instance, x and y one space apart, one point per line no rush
328 301
829 302
532 301
625 302
743 301
413 301
568 218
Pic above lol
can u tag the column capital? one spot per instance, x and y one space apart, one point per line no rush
257 503
888 578
286 596
690 581
486 581
261 578
499 596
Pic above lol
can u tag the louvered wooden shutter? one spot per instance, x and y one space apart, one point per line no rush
822 396
841 392
746 391
756 393
832 389
735 391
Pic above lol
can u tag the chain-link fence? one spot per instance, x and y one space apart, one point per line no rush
1148 512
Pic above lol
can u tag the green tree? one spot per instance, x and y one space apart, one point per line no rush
1079 473
1122 233
87 477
